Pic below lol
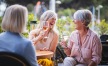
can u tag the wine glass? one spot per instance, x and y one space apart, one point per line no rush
45 27
65 38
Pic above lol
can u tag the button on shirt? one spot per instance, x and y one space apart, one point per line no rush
90 49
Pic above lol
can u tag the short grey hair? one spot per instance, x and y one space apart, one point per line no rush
84 15
15 18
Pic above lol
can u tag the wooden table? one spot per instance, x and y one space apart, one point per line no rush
44 54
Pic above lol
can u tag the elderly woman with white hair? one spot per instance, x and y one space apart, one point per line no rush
84 47
38 35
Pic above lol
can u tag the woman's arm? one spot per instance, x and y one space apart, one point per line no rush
67 46
96 52
33 35
54 42
92 63
67 51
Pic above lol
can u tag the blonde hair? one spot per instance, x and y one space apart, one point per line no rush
15 18
48 15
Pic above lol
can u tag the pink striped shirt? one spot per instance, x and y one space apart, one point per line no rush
90 49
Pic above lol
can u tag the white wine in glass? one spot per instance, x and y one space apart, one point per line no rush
45 27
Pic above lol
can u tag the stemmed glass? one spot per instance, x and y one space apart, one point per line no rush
45 27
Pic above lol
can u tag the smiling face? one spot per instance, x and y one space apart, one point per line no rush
51 22
49 16
82 18
78 24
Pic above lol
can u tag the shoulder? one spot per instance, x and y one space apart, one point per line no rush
93 34
94 37
1 34
27 44
56 34
74 32
26 41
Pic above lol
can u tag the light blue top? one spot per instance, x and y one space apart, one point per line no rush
14 42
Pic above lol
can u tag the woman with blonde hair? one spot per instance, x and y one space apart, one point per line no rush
45 39
14 23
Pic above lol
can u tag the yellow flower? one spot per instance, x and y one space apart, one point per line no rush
45 62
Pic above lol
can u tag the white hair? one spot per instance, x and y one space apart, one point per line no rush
84 15
46 16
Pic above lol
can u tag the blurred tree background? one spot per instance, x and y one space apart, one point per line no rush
65 10
68 4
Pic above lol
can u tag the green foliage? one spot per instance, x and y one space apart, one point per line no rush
65 26
60 24
102 27
25 34
65 1
30 18
22 2
0 24
66 12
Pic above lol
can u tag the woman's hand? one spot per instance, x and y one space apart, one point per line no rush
63 44
43 33
40 36
92 63
44 49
